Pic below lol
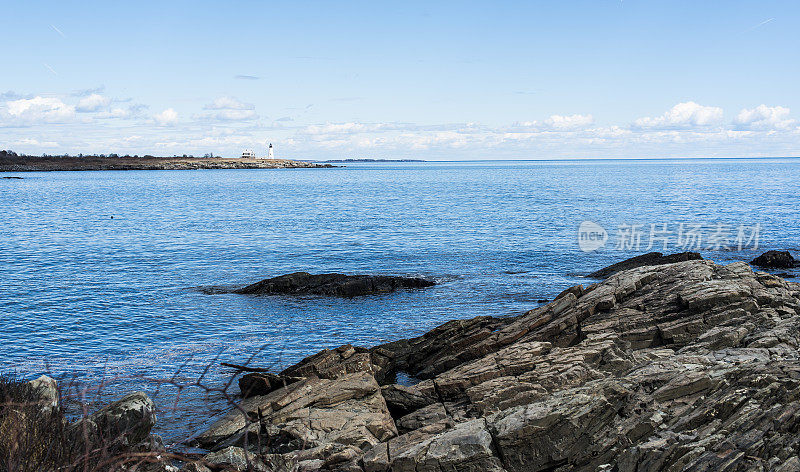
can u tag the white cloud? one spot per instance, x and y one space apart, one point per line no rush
684 115
133 111
115 113
40 110
227 109
555 122
12 95
88 91
764 117
167 117
332 129
228 125
92 103
228 103
569 122
35 142
227 115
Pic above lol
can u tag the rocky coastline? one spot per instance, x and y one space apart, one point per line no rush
59 163
683 365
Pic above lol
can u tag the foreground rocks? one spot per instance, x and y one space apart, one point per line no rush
338 285
680 366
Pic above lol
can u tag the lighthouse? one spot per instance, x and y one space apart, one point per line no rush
269 153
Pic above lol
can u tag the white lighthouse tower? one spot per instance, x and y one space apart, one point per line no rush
269 153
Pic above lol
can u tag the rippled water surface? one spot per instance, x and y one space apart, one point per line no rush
100 270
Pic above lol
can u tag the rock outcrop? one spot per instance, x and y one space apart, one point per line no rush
127 421
649 259
338 285
775 260
681 366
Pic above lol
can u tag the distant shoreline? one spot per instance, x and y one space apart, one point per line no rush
60 163
370 160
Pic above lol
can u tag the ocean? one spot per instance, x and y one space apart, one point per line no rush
104 273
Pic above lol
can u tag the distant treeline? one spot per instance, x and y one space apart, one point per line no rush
11 154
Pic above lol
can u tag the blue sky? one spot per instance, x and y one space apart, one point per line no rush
429 80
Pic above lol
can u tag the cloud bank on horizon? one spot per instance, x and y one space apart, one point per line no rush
225 125
418 82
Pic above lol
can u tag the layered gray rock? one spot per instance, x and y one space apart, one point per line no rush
679 366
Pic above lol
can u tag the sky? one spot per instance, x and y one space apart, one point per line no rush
402 80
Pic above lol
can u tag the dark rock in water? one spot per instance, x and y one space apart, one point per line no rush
337 285
775 260
649 259
13 178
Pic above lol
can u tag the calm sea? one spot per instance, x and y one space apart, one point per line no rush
101 271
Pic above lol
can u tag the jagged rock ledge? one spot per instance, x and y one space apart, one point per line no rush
649 259
681 366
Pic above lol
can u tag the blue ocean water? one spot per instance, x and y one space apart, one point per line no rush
101 270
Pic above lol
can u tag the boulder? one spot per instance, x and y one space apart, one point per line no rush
313 412
775 260
337 285
236 458
468 447
46 390
123 423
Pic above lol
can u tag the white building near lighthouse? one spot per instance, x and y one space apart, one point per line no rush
250 154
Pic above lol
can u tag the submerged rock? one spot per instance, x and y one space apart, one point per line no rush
649 259
680 366
775 260
338 285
